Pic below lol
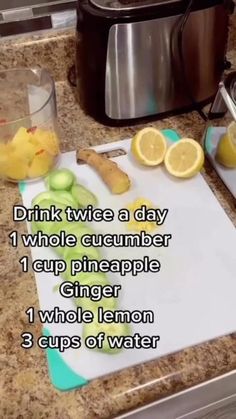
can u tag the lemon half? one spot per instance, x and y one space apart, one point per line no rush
185 158
149 146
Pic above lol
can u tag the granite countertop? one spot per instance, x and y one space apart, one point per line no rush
25 388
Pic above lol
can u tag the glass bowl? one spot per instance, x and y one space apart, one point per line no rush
29 139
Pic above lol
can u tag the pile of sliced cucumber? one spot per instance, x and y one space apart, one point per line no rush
64 180
64 191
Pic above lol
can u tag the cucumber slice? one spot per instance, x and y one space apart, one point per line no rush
64 196
47 227
93 278
56 288
42 197
79 251
88 304
59 199
47 203
34 227
89 278
110 329
72 253
59 226
69 228
83 196
67 273
78 229
44 226
60 179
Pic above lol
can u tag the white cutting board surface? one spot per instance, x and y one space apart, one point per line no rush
193 296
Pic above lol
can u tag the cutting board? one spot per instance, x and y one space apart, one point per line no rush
192 297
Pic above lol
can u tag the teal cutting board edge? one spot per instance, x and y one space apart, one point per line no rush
61 375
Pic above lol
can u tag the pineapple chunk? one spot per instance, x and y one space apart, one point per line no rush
16 168
48 141
27 151
30 153
23 145
40 165
21 137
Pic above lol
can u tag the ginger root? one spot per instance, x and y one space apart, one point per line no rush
117 181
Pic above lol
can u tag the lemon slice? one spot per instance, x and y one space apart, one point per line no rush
226 150
185 158
149 146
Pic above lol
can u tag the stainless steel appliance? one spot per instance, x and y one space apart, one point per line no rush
141 58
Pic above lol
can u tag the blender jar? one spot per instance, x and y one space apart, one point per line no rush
29 139
219 139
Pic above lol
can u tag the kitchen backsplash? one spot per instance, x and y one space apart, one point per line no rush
23 16
55 50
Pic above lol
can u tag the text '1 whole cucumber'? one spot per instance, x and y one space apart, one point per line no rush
70 238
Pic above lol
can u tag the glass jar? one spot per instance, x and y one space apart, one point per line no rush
29 139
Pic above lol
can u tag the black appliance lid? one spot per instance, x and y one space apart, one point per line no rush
120 5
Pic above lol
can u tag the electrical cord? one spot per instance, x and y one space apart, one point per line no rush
71 76
180 48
